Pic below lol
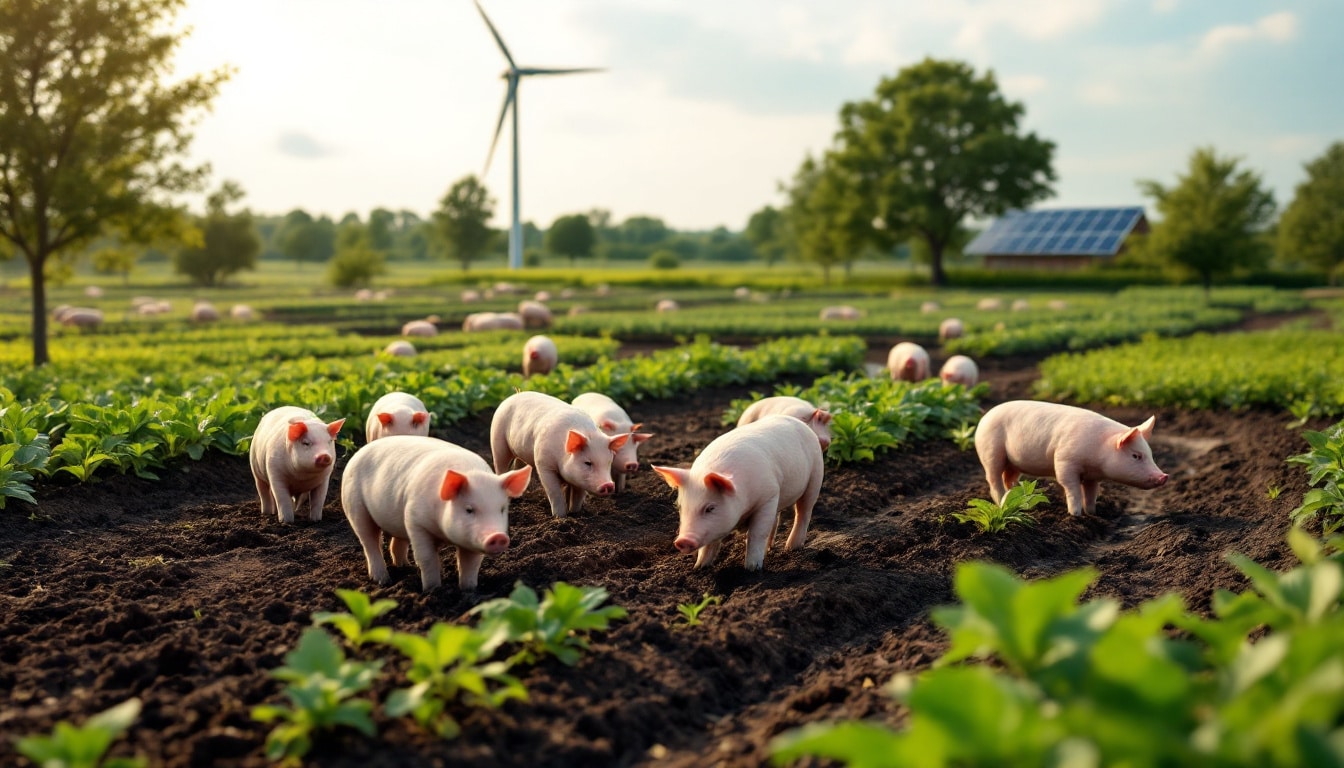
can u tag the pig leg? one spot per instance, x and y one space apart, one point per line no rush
996 467
284 502
759 532
1010 477
708 554
500 452
370 538
555 492
317 498
576 499
1073 489
1090 490
264 495
619 478
802 517
426 550
397 548
468 568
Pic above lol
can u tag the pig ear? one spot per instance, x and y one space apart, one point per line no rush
607 425
335 427
515 482
635 427
385 418
453 482
821 416
1146 428
575 442
674 477
418 418
719 482
297 430
640 437
618 441
1126 437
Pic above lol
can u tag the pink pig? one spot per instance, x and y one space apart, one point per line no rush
397 413
613 420
292 455
1077 447
423 493
960 369
908 361
743 478
539 356
571 455
817 419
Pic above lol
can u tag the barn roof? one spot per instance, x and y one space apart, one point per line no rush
1058 232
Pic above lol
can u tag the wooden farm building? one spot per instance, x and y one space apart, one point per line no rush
1058 238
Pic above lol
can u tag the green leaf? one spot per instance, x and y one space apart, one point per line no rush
856 744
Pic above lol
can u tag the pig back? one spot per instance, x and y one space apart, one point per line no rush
776 452
400 475
796 407
1036 435
536 425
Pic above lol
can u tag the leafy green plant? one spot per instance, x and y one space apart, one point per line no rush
1272 491
691 611
357 624
321 685
447 664
993 518
84 746
556 624
963 435
854 437
1325 468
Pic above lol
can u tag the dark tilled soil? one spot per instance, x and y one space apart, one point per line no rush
181 593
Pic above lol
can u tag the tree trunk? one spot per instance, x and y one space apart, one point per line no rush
38 280
937 277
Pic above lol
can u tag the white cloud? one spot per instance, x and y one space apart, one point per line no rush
1033 19
1275 28
1295 143
1023 85
1164 6
300 144
1101 93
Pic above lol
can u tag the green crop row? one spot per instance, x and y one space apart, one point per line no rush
1298 369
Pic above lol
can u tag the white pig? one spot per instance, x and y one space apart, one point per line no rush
423 493
571 455
817 419
908 361
950 328
534 314
960 369
400 348
539 356
292 455
397 413
613 420
422 328
1075 446
742 479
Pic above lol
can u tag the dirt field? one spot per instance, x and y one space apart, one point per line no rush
180 592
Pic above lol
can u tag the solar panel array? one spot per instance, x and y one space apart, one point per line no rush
1059 232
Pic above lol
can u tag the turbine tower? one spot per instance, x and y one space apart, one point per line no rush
514 74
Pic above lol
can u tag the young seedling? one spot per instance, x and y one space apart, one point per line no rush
321 686
1325 468
357 625
963 435
993 518
1272 492
557 625
691 611
83 746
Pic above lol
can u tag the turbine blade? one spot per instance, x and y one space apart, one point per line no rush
540 71
495 32
508 102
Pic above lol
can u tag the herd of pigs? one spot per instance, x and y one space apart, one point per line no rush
423 493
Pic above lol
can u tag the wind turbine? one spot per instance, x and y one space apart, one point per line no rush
514 74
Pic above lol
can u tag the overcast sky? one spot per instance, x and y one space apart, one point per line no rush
707 105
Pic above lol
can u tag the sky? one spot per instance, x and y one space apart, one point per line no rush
705 107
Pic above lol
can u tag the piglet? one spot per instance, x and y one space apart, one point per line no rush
613 420
570 454
908 361
423 493
817 419
397 413
292 455
741 480
539 356
1075 446
960 369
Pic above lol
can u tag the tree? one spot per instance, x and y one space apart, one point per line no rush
462 220
380 229
766 231
230 242
303 238
118 259
1312 227
571 236
935 145
355 264
1210 218
825 217
91 136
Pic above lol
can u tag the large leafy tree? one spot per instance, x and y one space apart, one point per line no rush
571 236
935 145
462 221
1312 227
91 134
825 216
229 240
1212 217
304 238
767 233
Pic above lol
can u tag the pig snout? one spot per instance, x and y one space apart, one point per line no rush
606 489
496 543
631 467
1160 479
686 544
322 460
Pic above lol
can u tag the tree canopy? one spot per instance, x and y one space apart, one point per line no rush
825 216
303 238
462 221
1211 218
91 135
766 231
229 241
936 144
571 236
1312 227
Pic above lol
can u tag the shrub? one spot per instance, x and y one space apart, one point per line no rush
664 259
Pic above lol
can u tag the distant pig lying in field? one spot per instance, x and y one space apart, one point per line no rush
397 413
423 493
1075 446
742 479
817 419
292 455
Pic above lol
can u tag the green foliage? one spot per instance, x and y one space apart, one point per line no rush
303 238
354 265
321 686
691 611
571 236
854 437
1325 468
229 241
993 518
768 235
664 259
357 625
555 625
71 746
1211 217
963 435
1311 229
1091 685
461 224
